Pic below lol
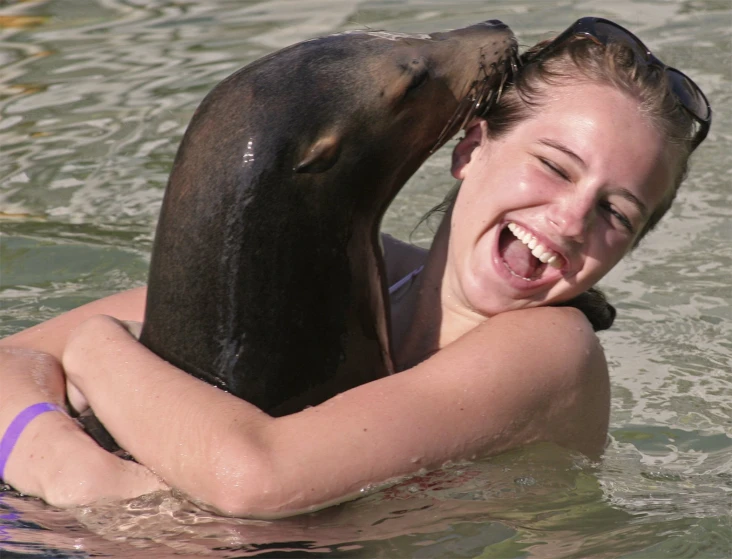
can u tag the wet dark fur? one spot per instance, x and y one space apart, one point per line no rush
267 278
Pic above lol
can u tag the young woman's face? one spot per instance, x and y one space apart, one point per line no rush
574 184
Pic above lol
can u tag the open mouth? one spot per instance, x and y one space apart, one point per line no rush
524 256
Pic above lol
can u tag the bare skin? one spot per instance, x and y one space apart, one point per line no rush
69 468
476 380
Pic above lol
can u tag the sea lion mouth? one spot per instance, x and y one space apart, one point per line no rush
523 255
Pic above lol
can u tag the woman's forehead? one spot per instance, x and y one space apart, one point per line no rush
605 130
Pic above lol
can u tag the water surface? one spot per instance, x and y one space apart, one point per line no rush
94 97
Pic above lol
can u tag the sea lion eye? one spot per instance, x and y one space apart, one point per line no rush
416 72
418 78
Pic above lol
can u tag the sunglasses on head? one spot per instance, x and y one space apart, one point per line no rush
604 31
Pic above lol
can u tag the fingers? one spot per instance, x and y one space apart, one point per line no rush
133 327
85 474
77 401
95 336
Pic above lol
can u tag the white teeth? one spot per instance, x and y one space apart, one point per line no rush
537 249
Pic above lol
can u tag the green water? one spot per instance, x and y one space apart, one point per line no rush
94 97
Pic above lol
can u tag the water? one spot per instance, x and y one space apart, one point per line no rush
94 97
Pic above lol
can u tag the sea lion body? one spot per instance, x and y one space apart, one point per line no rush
267 277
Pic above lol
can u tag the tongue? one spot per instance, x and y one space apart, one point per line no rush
519 259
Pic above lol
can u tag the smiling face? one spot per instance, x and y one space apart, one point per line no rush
548 208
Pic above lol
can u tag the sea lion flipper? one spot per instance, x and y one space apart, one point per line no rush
321 156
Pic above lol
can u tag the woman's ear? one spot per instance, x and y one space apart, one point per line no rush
461 155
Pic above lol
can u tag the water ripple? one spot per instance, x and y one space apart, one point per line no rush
94 97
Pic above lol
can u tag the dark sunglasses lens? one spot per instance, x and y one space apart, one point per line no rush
685 89
610 33
689 94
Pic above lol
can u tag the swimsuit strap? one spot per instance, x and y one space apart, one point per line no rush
404 280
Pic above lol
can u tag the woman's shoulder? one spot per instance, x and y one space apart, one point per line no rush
560 337
568 321
545 363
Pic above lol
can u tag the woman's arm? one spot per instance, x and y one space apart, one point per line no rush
53 458
50 336
493 389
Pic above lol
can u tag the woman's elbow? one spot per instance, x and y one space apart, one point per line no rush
243 482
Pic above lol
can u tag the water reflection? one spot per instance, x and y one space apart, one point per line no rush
94 97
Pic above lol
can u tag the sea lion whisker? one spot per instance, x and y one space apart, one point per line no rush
485 91
445 133
463 107
504 78
475 102
483 94
467 104
486 102
487 96
515 64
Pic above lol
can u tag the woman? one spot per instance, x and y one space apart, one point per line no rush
581 157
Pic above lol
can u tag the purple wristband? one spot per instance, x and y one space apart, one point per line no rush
17 426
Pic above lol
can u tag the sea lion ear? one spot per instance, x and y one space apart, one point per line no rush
321 156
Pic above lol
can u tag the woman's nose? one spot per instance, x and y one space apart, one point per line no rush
571 219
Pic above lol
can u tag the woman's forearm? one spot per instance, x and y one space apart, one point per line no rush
52 457
151 406
222 452
481 394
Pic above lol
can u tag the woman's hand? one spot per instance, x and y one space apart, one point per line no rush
77 401
75 396
88 337
53 458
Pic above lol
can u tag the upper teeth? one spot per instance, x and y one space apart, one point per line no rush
537 249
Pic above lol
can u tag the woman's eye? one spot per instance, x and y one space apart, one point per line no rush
554 168
614 213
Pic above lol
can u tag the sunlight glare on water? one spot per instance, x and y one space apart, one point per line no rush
94 98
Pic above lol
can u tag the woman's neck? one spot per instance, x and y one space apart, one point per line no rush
424 320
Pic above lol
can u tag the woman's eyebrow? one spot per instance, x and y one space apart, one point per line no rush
564 149
623 192
633 199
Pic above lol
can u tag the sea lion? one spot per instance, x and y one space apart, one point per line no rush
267 277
